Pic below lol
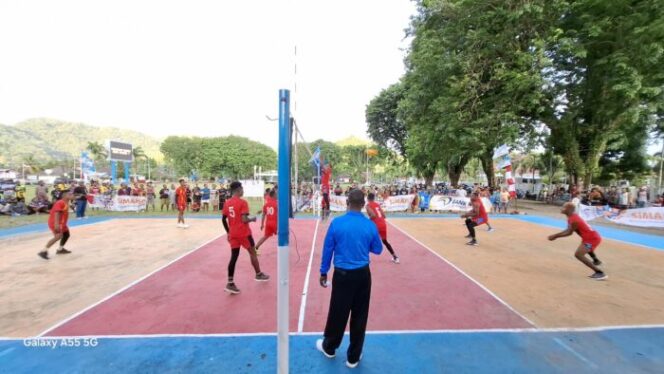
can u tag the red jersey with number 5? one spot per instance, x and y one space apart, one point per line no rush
234 209
270 212
379 215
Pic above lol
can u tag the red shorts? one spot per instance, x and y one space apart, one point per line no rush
246 242
270 230
62 229
382 232
591 245
182 208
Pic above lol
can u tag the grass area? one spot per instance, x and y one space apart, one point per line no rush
7 222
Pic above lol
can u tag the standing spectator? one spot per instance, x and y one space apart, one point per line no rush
181 201
150 193
223 196
197 197
164 197
124 190
642 197
349 240
214 197
337 190
624 199
171 196
504 200
81 200
205 198
424 200
20 192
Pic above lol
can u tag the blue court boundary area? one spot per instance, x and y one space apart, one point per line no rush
629 237
624 350
646 240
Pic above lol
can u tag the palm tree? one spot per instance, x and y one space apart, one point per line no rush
98 151
137 153
531 162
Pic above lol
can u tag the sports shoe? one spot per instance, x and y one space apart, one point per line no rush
232 289
395 259
319 346
472 242
491 229
43 254
62 251
599 276
262 277
179 225
597 262
185 226
354 365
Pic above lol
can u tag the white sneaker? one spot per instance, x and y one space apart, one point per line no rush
319 346
396 260
491 229
353 366
180 226
185 226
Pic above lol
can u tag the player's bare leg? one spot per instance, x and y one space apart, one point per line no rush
44 253
580 255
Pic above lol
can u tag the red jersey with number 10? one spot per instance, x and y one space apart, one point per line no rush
234 209
270 212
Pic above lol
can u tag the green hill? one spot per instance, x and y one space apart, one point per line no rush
49 139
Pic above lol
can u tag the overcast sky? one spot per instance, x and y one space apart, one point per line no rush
198 67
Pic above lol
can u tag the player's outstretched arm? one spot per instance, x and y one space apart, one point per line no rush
569 231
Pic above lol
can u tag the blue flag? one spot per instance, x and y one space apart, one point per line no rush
315 159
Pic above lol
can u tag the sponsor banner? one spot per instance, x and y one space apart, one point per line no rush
392 204
455 204
128 203
642 217
397 203
99 201
589 213
118 151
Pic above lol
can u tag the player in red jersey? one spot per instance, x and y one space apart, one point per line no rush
590 240
326 174
377 216
57 222
269 219
236 221
181 203
475 217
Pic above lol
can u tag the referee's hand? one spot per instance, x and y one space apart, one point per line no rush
323 281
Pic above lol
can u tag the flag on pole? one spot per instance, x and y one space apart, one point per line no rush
315 159
501 151
511 186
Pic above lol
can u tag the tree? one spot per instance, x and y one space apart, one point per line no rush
137 153
98 151
385 127
607 76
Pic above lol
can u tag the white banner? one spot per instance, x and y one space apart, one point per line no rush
392 204
253 188
589 213
643 217
455 204
128 203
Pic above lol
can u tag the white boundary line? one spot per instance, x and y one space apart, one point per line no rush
127 286
305 289
377 332
466 275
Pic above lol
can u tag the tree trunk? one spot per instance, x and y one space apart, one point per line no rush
489 170
428 179
455 168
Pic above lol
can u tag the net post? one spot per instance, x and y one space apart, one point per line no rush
284 192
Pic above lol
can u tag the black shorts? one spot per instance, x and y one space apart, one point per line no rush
326 201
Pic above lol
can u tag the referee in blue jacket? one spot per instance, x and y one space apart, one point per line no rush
349 240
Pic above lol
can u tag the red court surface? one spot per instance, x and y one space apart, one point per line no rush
422 293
